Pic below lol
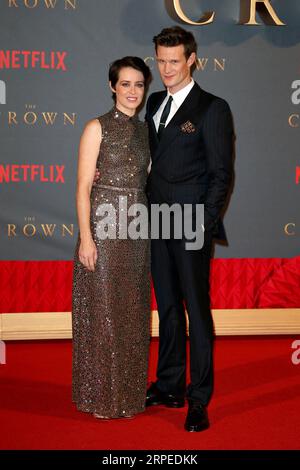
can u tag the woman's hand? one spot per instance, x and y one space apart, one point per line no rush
88 254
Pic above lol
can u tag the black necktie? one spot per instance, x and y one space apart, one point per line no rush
164 117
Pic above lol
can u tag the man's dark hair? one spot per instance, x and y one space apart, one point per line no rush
175 36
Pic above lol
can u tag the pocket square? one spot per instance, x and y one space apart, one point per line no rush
188 127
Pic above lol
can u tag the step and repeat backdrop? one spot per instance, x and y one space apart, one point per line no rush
54 60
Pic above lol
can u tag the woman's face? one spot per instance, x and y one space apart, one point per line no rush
129 90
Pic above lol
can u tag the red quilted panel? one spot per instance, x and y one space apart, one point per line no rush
46 286
282 287
235 282
35 286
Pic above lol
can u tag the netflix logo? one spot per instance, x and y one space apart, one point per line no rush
32 173
52 60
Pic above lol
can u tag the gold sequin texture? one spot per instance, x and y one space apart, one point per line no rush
111 306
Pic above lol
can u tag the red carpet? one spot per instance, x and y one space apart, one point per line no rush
256 404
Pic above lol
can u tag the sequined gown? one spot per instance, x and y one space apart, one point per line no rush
111 306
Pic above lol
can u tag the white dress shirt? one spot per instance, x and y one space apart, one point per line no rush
178 99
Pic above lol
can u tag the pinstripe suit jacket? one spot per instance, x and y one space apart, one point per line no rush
192 162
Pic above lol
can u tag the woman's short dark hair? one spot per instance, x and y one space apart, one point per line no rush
175 36
129 61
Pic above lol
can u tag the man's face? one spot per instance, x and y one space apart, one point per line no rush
174 68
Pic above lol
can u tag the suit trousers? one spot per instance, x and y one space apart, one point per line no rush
182 276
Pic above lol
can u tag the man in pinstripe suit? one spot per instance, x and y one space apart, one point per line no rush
191 142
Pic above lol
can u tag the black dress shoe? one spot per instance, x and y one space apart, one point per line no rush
197 418
156 397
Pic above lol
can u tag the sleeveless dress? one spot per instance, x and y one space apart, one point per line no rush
111 306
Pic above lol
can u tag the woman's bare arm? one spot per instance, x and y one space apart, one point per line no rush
89 147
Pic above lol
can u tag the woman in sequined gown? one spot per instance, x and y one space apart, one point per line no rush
111 291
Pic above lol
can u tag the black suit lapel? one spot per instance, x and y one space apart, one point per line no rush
192 109
184 113
158 101
155 106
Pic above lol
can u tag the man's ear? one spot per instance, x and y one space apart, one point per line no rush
191 60
112 89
